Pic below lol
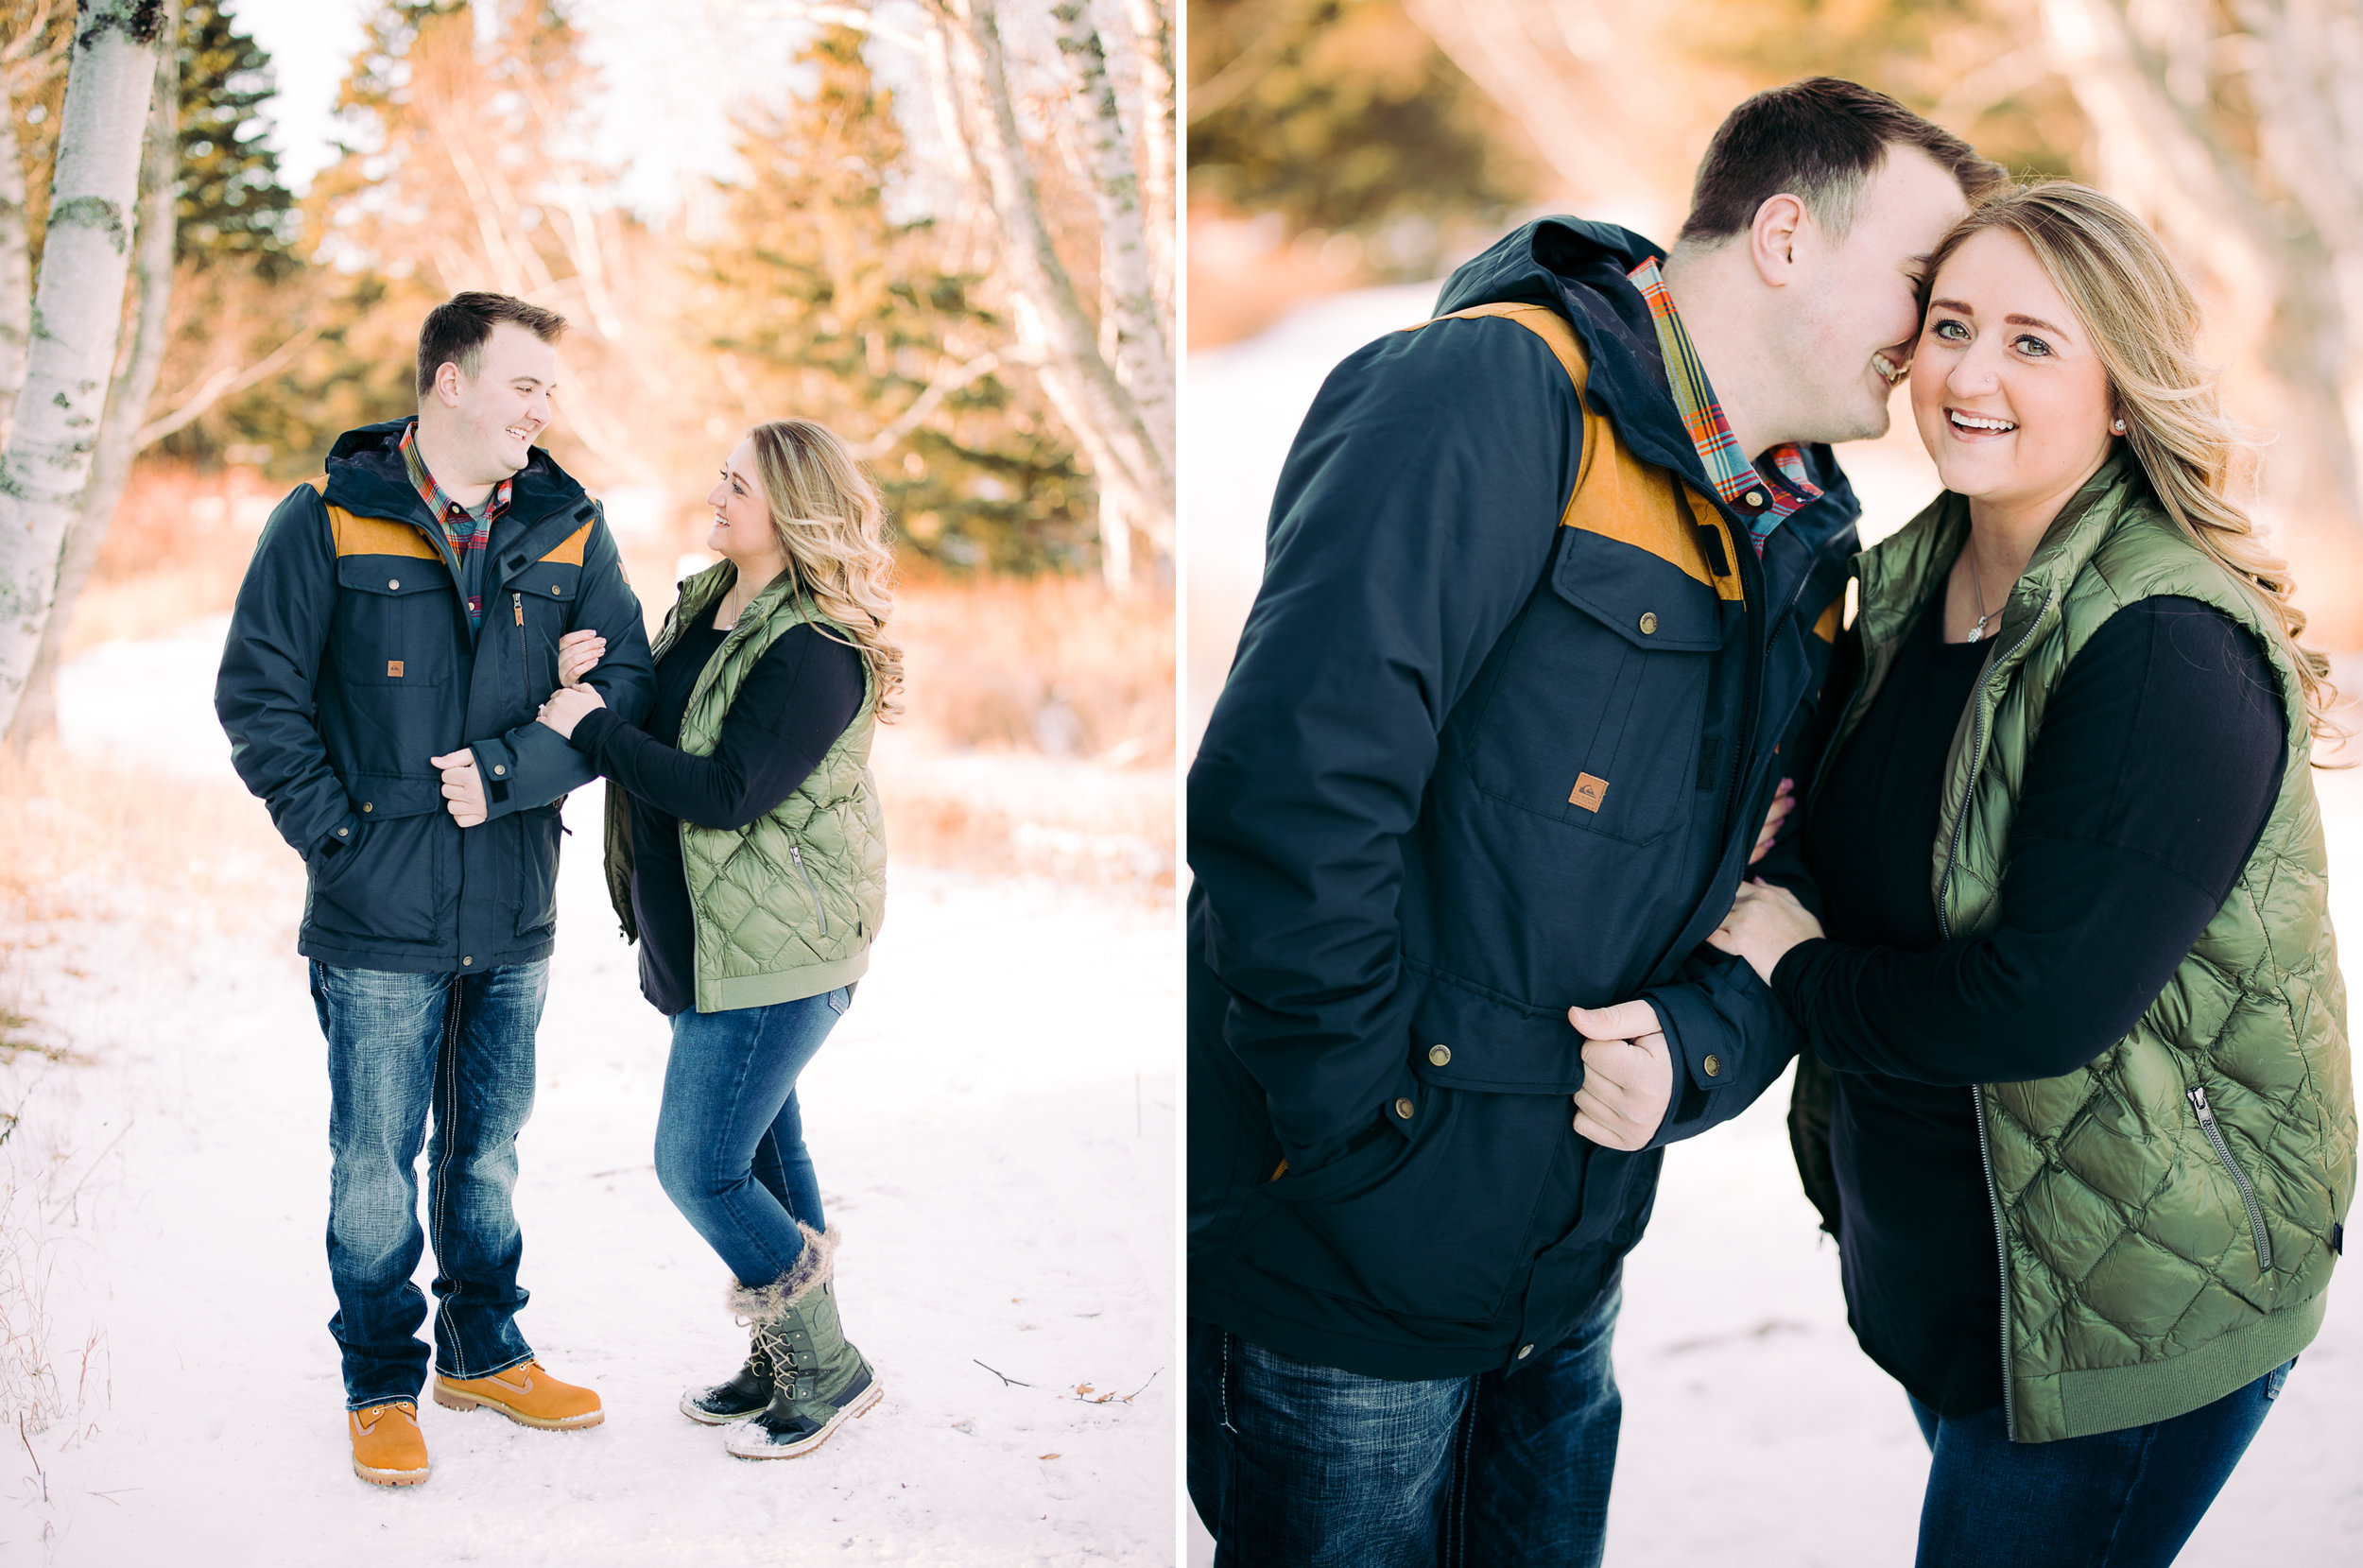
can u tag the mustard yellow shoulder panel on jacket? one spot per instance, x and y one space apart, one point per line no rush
1616 494
569 550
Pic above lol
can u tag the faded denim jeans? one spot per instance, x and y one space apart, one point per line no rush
1298 1466
729 1137
403 1048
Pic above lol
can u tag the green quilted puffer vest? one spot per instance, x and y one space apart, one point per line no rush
2164 1216
787 907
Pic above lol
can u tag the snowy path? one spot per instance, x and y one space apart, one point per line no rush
993 1125
1756 1432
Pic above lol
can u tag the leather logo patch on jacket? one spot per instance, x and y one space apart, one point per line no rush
1588 792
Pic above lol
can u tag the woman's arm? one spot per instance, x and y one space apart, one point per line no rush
795 702
2160 758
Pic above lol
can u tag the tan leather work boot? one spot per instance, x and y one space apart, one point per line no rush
387 1447
527 1395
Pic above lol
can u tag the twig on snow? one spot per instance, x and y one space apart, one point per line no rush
1005 1379
26 1439
1083 1394
127 1123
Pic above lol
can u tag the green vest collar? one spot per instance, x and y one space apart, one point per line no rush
1899 573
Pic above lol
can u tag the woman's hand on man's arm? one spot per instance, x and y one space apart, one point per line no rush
1765 923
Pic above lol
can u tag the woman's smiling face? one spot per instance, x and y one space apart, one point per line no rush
2009 396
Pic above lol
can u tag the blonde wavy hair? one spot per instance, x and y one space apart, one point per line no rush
2145 323
831 524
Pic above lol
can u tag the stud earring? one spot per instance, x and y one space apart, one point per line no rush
2118 427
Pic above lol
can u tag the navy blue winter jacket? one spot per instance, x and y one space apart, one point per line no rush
350 663
1395 899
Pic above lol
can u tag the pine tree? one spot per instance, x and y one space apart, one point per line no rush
831 309
233 206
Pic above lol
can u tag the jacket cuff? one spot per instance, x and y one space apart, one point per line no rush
496 764
335 840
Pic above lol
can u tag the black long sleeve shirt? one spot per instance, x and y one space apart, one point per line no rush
2159 759
792 707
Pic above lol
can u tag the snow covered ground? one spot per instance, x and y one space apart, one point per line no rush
1754 1430
993 1125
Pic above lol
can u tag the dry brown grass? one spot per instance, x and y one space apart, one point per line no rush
176 552
1038 735
1053 665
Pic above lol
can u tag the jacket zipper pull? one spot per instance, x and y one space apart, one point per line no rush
2197 1097
524 668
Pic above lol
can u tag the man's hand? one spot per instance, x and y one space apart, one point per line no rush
464 787
1628 1074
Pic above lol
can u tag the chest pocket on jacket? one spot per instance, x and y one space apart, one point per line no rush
1598 699
394 621
540 602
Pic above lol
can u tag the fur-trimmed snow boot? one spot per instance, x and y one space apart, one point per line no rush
747 1393
819 1380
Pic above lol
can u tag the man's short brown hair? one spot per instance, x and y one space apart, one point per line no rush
1818 140
456 331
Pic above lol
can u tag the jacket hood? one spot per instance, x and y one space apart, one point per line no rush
363 463
1578 268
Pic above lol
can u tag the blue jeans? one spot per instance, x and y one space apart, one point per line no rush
2126 1499
402 1047
1299 1466
730 1140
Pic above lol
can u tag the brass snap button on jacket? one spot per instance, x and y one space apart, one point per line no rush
1648 623
393 582
365 805
467 960
1440 1054
498 768
1524 1350
1714 1064
1402 1107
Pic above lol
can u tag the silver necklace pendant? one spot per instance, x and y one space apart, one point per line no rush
1974 633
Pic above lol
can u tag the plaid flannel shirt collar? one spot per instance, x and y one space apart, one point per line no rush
1766 502
465 533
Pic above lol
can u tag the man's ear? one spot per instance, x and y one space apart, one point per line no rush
447 384
1772 238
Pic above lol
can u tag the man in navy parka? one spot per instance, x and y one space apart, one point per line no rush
1526 669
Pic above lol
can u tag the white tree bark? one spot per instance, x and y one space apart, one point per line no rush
1143 356
77 317
2280 229
1153 44
1579 75
16 263
122 434
1103 414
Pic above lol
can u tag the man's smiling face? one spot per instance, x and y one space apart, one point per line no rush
499 411
1854 325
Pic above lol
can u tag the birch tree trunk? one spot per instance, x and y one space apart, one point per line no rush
120 432
2279 226
16 263
77 317
1104 415
1130 329
1152 45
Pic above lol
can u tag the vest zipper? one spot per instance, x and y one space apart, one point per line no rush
1978 1090
2197 1097
798 855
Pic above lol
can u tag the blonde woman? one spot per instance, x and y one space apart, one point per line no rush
2078 1103
746 853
